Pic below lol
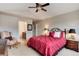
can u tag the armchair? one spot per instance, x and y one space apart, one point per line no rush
11 41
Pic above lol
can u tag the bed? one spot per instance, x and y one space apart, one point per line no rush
47 45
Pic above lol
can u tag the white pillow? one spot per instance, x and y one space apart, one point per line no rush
57 34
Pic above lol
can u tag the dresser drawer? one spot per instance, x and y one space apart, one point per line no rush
72 45
71 42
2 51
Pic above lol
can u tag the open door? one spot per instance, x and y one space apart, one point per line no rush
22 29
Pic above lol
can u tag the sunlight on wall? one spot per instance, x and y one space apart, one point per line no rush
46 25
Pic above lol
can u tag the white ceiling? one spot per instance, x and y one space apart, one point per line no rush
53 9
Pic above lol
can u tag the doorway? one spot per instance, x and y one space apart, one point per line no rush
22 29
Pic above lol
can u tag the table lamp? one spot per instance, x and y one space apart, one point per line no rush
72 33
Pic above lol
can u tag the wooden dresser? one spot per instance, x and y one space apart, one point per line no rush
3 47
73 45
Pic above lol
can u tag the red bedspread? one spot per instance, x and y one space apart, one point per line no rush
46 45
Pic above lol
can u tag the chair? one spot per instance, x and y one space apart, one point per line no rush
11 41
3 47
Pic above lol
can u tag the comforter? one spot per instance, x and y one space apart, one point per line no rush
46 45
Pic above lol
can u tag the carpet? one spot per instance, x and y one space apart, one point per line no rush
23 50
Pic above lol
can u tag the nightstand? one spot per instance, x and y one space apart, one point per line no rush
73 45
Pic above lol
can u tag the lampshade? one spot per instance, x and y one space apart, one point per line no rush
72 31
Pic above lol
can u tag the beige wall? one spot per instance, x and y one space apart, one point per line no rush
10 23
68 20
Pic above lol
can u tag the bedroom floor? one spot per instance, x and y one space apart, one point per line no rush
23 50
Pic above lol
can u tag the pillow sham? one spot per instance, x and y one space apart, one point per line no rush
51 34
57 34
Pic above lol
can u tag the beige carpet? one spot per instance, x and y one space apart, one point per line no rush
23 50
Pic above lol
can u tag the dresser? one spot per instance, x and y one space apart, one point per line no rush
73 45
3 47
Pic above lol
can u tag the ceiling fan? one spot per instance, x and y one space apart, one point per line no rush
40 6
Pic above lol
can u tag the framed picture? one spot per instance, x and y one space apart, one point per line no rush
29 27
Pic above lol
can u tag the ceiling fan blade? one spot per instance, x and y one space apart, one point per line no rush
31 7
45 5
37 4
36 10
43 9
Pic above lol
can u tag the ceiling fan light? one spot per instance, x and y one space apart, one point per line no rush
39 8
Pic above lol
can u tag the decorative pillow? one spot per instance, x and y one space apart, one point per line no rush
57 34
51 34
